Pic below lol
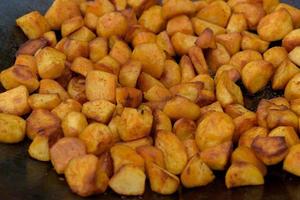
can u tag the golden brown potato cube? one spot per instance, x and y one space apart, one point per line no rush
50 62
129 97
15 101
43 101
284 72
171 75
185 25
39 148
206 39
90 21
253 42
291 161
292 90
216 106
152 19
108 64
275 25
293 11
99 110
113 126
243 123
65 150
80 174
217 12
129 73
44 123
243 174
19 75
129 180
145 54
275 55
190 91
291 40
151 155
73 124
289 134
135 123
184 129
71 25
187 69
270 5
217 57
50 36
146 82
191 147
270 150
12 128
196 173
161 121
294 56
242 58
217 157
181 107
113 23
252 12
231 41
76 89
162 181
65 107
256 75
83 34
143 37
99 79
207 81
175 156
246 139
49 86
124 155
200 25
164 42
27 60
172 8
76 48
182 42
198 60
157 93
97 138
33 24
134 144
120 51
98 49
210 134
237 23
206 97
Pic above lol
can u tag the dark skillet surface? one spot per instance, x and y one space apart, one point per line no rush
27 179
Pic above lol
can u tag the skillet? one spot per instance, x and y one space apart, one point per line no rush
22 178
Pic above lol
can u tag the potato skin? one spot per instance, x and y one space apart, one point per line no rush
12 128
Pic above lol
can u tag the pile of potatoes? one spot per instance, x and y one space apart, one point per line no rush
137 90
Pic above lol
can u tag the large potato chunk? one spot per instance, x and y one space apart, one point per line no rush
293 11
145 54
240 59
99 110
270 150
292 89
129 180
152 19
12 128
173 150
33 24
177 7
97 138
275 26
213 130
99 79
196 173
73 124
65 150
243 174
66 107
291 162
135 123
44 101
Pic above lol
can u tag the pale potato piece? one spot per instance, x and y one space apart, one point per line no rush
289 134
171 8
43 101
65 150
99 110
39 148
49 86
291 161
12 128
66 107
73 124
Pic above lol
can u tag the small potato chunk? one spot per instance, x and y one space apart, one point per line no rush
183 42
43 101
270 150
161 121
289 134
196 173
198 60
19 75
108 64
256 75
33 24
295 106
184 129
164 42
217 57
113 23
27 60
171 75
246 139
217 12
71 25
99 110
146 82
129 97
143 37
294 56
129 180
76 89
151 155
98 79
145 54
12 128
242 58
80 174
39 148
200 25
187 69
181 107
162 181
123 155
237 23
65 107
210 134
99 8
49 86
98 49
243 123
176 7
292 88
275 55
50 62
229 70
97 138
152 19
65 150
217 157
113 126
73 124
206 39
157 93
191 148
173 150
185 25
120 52
190 91
82 66
129 73
293 11
253 42
134 144
83 34
291 161
275 25
139 6
243 174
76 48
135 123
231 41
291 40
15 101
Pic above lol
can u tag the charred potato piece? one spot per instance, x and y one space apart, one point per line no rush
73 124
49 86
275 55
185 25
237 23
99 110
43 101
152 19
113 23
289 134
176 7
171 75
184 129
39 148
65 107
291 161
12 128
129 73
253 42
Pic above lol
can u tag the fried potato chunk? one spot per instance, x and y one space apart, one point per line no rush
39 148
129 97
99 110
172 8
292 90
65 107
49 86
185 25
275 55
152 19
289 134
184 129
43 101
12 128
113 23
73 124
291 161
